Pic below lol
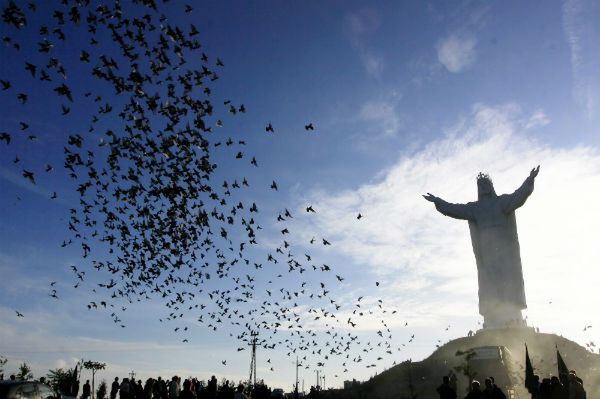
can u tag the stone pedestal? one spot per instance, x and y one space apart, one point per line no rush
504 315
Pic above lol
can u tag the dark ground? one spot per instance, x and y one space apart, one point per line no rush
427 374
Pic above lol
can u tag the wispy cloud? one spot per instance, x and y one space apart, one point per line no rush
537 119
24 184
360 24
381 116
365 20
580 25
426 259
372 62
456 52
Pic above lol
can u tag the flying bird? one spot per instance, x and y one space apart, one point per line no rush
29 176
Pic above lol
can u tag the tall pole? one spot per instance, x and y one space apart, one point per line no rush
317 379
252 379
296 385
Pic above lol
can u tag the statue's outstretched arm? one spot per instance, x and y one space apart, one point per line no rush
518 198
456 211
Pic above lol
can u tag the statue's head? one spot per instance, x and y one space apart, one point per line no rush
485 187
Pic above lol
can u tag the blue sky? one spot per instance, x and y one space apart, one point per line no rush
406 98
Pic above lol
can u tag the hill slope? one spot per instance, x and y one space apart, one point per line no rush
427 374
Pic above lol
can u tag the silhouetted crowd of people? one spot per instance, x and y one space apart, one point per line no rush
554 388
176 389
490 391
548 388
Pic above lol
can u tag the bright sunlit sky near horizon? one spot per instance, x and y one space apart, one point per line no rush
406 98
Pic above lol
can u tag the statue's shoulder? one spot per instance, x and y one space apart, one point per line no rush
504 198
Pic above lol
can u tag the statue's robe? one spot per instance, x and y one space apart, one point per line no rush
496 246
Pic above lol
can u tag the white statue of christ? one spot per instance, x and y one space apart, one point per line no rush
495 243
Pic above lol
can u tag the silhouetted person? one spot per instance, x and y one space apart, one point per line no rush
85 394
475 392
198 387
453 381
498 392
174 388
114 388
557 389
12 377
544 392
187 392
139 390
239 394
212 387
156 389
492 391
445 390
133 393
164 389
226 391
124 389
149 388
576 390
534 388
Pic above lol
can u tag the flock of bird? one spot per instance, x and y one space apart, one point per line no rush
156 219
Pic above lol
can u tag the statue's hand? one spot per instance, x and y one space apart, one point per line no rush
534 172
431 198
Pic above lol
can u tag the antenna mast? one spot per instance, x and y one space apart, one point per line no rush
252 379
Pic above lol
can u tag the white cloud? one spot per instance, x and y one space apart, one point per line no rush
456 52
426 259
537 119
381 115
